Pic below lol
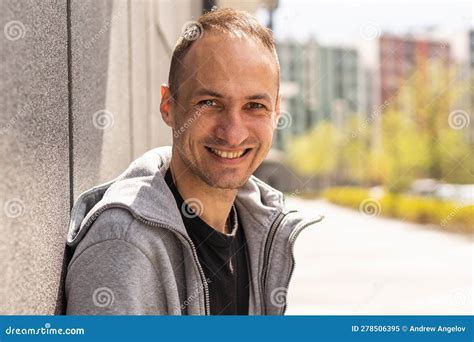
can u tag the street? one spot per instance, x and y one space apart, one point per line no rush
353 264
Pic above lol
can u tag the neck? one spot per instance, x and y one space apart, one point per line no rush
216 203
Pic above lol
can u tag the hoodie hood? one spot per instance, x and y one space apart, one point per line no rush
270 229
142 190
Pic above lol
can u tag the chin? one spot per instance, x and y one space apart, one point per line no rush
229 183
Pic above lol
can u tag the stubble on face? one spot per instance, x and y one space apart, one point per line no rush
237 69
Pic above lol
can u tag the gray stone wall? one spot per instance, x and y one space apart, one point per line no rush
79 99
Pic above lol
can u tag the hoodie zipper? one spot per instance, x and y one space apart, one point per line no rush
270 237
156 224
293 237
266 255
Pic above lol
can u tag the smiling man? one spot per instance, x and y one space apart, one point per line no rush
188 229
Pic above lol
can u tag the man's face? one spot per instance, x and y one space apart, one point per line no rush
226 108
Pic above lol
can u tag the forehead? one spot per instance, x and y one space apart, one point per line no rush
230 63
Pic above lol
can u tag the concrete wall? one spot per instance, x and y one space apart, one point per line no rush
79 95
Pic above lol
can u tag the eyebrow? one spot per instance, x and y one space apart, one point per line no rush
262 96
208 92
213 93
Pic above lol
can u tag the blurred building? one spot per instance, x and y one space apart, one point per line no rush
318 83
471 48
401 56
339 83
293 72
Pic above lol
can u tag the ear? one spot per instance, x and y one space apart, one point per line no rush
166 99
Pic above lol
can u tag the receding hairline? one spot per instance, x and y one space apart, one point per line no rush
240 24
269 57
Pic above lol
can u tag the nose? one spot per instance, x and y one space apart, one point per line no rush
232 128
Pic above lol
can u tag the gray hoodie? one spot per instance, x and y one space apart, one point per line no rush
132 254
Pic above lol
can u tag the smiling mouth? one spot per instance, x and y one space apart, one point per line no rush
228 154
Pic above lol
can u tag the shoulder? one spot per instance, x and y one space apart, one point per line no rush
119 226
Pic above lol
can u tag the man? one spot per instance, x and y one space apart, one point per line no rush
187 229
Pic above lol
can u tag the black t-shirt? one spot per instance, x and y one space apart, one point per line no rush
223 257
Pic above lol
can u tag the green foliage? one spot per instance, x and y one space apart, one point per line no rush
347 196
409 138
316 152
353 152
406 151
456 157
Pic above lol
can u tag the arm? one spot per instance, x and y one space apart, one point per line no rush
114 277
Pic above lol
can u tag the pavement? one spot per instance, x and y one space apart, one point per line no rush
355 264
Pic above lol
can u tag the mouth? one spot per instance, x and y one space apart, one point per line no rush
230 156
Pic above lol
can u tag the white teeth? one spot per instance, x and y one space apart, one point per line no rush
228 155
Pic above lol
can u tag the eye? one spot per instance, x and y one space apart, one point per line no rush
208 103
255 105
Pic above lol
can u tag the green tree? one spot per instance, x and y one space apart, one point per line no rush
315 153
354 151
406 151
